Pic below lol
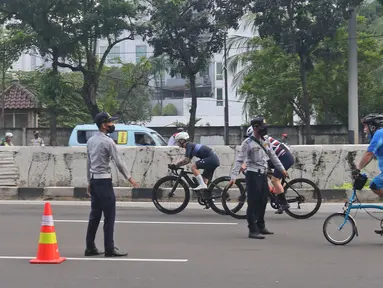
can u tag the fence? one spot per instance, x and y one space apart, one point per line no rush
323 134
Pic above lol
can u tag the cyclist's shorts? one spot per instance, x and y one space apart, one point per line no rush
287 161
377 182
208 164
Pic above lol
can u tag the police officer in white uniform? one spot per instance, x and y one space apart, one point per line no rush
101 149
256 151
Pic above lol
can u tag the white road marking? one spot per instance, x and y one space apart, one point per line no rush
102 259
325 207
150 222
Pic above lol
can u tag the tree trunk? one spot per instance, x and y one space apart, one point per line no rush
325 96
193 109
161 92
52 108
89 93
306 104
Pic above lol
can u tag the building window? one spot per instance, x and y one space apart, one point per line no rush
140 52
218 71
21 120
8 119
219 97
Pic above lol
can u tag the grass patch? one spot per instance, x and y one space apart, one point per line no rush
348 186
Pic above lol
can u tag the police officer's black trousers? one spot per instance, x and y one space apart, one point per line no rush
257 193
103 200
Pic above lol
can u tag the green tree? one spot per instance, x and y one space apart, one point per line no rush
12 43
52 31
271 85
70 31
328 83
71 110
274 81
160 65
189 34
298 27
125 91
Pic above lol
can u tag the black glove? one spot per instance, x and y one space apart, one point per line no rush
172 166
355 173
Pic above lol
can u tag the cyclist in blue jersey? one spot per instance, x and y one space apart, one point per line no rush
373 124
209 161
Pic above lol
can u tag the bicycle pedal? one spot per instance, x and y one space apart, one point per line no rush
379 232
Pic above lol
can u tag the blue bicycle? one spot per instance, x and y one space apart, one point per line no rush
345 220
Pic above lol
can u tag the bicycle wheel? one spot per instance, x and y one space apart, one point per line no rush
233 204
216 189
301 190
170 191
349 224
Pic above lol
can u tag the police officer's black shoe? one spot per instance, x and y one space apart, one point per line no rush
93 252
115 253
265 231
256 235
379 232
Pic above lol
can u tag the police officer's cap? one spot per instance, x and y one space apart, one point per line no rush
104 117
258 121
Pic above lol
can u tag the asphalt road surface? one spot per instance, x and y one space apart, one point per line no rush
196 248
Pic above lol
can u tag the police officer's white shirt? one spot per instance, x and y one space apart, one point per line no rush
101 149
255 157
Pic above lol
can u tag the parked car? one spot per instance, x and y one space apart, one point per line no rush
128 135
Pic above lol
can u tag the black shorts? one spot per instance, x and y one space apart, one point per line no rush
287 161
208 164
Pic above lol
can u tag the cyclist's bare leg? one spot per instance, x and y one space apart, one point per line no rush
277 185
279 192
201 180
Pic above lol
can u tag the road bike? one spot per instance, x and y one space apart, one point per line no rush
302 195
344 217
170 191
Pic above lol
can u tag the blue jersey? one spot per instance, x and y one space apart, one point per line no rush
376 147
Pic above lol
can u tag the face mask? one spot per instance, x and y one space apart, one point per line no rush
262 130
110 129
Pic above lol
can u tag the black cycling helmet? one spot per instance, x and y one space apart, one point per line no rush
258 121
374 121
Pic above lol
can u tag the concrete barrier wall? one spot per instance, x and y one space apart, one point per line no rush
326 165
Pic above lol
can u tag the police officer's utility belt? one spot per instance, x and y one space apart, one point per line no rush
101 176
258 171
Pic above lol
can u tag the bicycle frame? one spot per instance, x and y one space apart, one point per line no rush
348 206
284 182
185 174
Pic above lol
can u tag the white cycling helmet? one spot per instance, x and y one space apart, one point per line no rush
8 134
182 136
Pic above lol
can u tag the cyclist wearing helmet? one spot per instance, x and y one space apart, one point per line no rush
209 161
373 124
287 160
172 140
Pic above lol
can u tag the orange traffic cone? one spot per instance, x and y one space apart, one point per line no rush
47 251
